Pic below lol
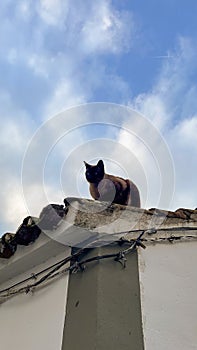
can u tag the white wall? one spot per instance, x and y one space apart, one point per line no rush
35 321
168 277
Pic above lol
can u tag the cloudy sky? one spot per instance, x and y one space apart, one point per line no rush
138 59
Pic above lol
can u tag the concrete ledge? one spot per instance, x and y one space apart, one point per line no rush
87 218
92 215
26 258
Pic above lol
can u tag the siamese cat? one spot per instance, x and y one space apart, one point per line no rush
114 189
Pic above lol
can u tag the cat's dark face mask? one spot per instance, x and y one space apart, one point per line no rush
94 173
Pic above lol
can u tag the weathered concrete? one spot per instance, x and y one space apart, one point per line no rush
85 217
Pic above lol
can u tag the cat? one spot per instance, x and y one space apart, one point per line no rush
114 189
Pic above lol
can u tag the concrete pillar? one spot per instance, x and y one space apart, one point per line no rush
103 306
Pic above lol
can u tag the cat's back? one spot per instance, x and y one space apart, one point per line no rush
127 192
134 195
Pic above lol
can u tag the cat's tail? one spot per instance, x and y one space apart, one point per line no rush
133 195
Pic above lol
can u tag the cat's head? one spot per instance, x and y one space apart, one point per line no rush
95 173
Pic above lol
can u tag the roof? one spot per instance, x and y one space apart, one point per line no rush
92 216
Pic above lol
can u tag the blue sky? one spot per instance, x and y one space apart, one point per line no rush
57 54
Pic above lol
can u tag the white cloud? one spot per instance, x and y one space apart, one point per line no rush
89 27
147 158
171 107
12 56
174 93
14 208
53 12
17 207
38 195
152 106
24 9
50 44
14 124
107 30
55 46
182 141
186 132
45 48
64 96
15 134
39 64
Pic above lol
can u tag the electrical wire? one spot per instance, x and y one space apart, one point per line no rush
80 265
74 267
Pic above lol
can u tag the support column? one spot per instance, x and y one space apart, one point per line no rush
103 306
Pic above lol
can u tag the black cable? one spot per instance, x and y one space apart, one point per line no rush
62 263
55 267
37 274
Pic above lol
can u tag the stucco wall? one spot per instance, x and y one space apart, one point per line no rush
169 295
167 274
35 321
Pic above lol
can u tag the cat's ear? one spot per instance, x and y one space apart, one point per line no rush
100 164
87 165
